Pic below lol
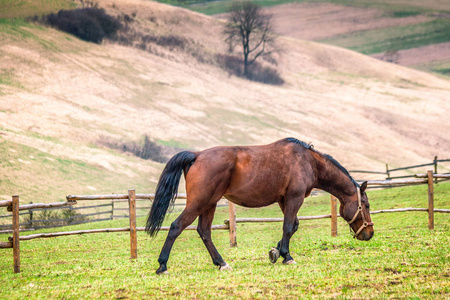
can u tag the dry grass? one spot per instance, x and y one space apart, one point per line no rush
59 95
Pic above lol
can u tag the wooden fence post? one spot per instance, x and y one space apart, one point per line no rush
435 168
333 216
232 224
15 228
31 216
112 209
132 216
430 200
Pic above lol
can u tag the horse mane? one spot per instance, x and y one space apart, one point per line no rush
295 141
326 156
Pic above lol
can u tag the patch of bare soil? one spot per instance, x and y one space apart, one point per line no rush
316 21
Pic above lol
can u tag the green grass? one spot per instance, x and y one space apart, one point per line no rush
444 71
23 8
17 29
14 26
404 259
395 38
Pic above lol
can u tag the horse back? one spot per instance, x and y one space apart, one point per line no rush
251 176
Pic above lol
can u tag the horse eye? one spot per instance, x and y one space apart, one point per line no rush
367 205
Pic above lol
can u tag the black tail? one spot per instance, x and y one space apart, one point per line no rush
167 188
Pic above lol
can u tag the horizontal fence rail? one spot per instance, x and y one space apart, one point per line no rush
124 229
71 217
269 220
43 205
5 203
388 172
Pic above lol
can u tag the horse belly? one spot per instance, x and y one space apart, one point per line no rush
258 193
251 201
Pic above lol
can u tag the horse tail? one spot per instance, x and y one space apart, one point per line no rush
167 189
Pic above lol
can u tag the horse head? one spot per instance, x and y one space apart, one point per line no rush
357 214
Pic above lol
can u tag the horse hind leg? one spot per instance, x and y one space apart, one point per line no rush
183 220
204 230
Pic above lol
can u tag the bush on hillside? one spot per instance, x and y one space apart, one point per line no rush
149 150
89 24
256 72
263 74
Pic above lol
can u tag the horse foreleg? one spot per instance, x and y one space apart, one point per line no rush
204 230
289 228
274 253
183 220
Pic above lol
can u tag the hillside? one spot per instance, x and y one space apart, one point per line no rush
410 33
59 96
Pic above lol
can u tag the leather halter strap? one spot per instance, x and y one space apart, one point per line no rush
358 211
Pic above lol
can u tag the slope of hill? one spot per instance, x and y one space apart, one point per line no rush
59 96
410 33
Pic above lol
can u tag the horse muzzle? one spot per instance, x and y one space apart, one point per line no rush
365 233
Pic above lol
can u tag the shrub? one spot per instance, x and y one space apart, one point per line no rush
231 64
150 150
89 24
264 74
256 72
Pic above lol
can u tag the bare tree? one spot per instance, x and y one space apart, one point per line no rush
249 27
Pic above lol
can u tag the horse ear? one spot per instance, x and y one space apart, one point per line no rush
363 186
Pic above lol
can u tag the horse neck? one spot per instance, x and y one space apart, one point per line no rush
333 180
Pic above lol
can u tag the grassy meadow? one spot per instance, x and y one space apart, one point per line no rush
23 8
395 38
404 260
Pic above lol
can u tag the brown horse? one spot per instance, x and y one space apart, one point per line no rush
284 172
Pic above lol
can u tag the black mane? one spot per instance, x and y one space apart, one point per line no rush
328 157
295 141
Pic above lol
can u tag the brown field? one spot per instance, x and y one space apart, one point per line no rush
317 21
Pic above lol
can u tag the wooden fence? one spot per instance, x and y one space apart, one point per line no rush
388 173
71 217
230 224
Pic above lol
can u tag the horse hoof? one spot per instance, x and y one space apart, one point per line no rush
289 262
274 254
226 267
162 272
